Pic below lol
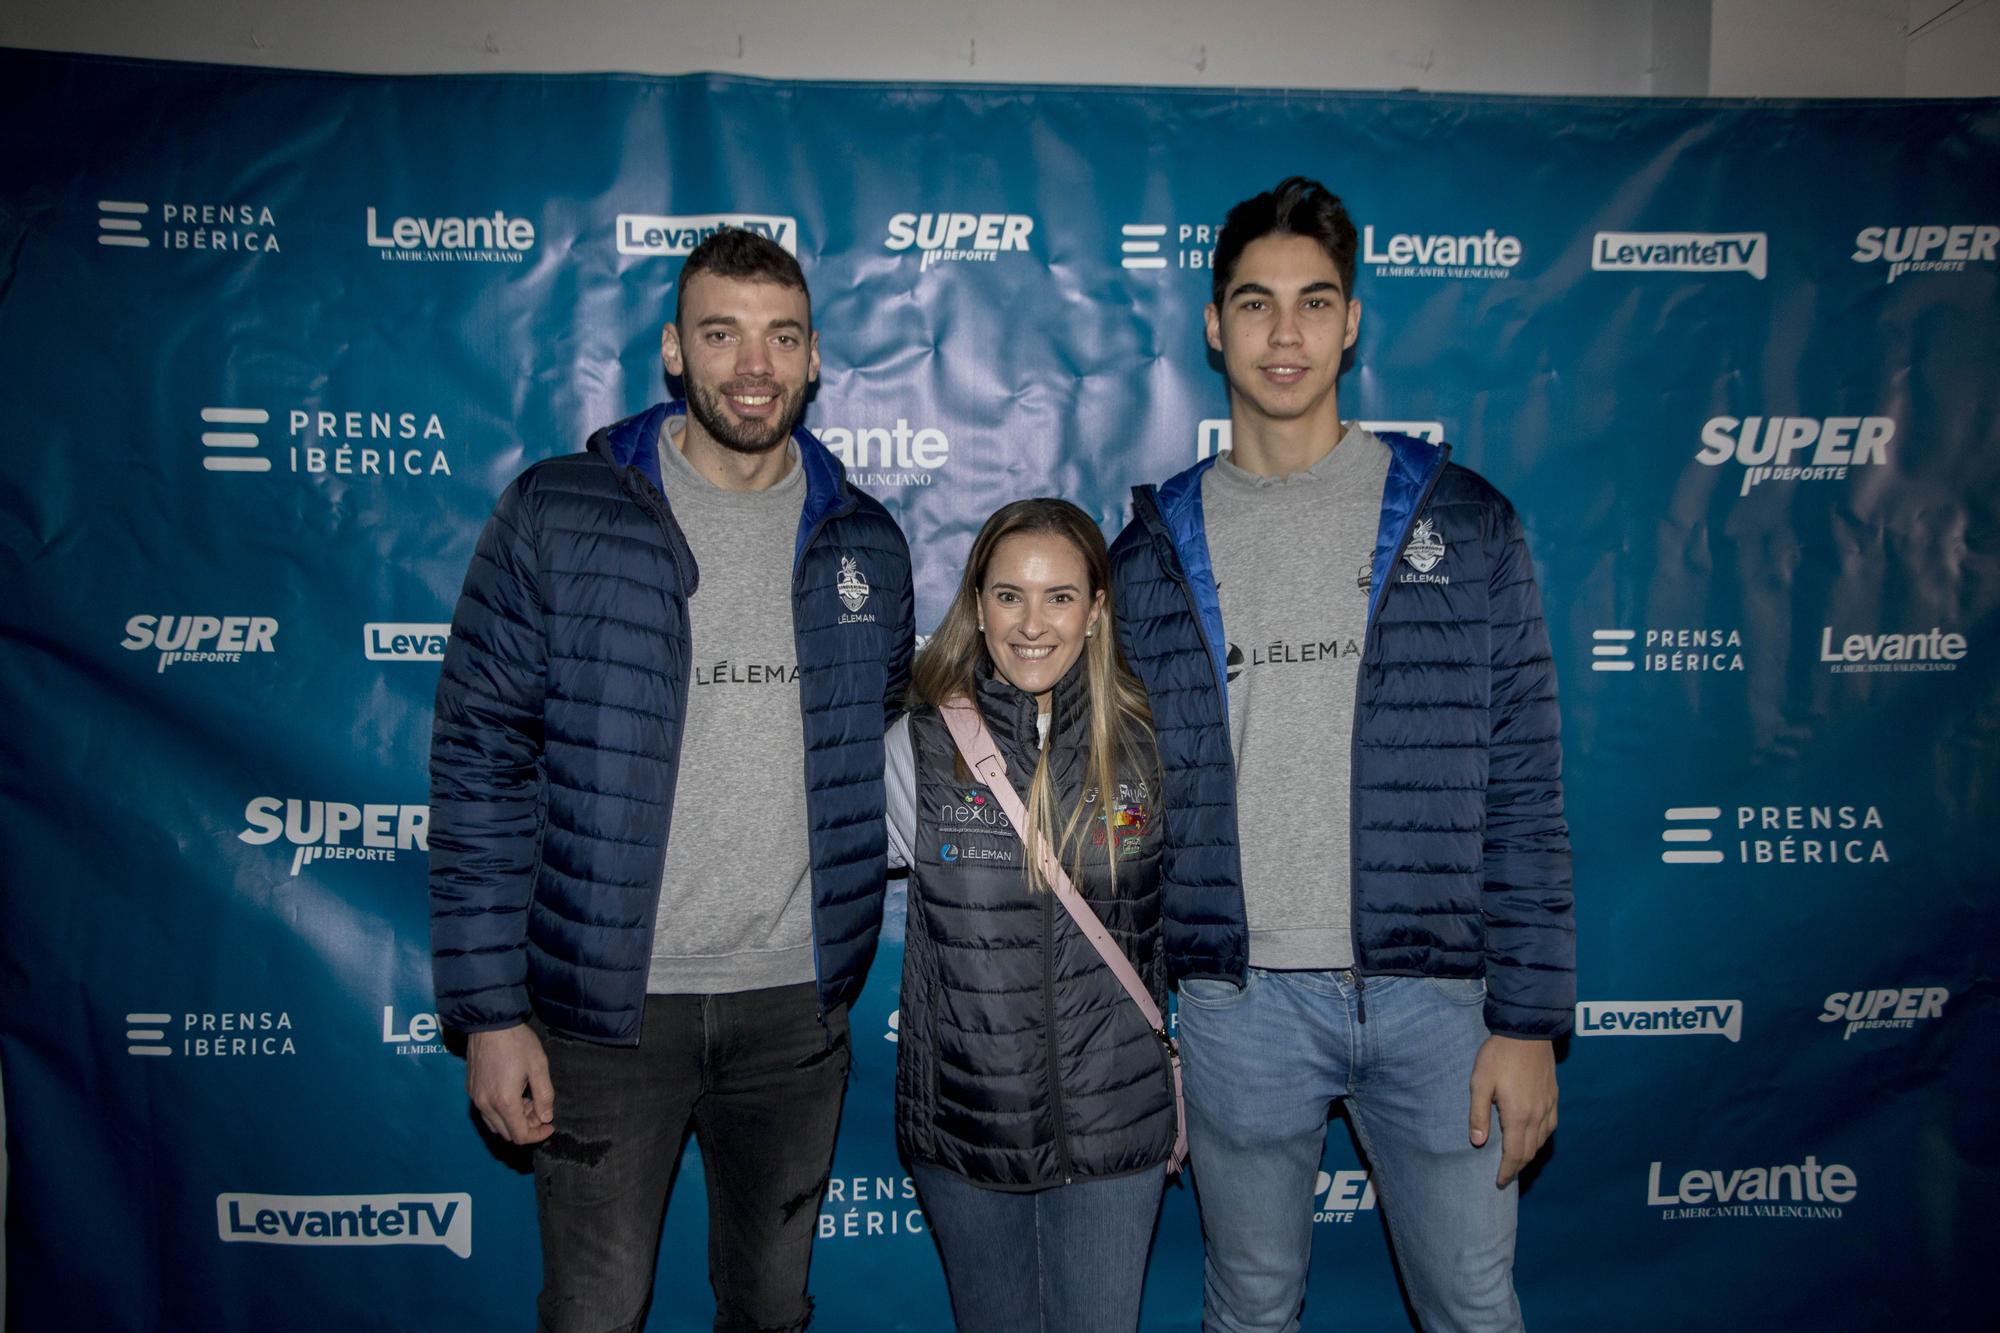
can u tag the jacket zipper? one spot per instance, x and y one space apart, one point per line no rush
1049 1026
798 593
1354 749
641 489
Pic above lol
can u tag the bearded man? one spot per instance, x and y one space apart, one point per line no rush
657 848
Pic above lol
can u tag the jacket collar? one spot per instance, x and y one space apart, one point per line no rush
634 444
1010 711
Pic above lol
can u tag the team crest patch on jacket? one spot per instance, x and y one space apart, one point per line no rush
1423 554
852 585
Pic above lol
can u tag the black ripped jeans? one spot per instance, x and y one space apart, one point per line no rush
761 1076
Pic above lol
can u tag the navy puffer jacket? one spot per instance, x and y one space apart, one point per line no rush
556 744
1461 855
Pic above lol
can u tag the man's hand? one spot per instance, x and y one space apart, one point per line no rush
507 1077
1520 1078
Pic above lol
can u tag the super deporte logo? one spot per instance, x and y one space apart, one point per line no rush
492 238
1775 448
336 830
347 1219
174 224
200 639
676 236
1926 248
959 237
1340 1196
1895 1008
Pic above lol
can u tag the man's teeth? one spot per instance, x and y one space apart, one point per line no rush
749 400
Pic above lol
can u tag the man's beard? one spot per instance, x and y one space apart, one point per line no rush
707 405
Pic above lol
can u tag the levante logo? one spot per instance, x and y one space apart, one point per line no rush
898 455
492 238
1485 254
1795 1191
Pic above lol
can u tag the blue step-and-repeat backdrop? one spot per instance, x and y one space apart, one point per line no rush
271 343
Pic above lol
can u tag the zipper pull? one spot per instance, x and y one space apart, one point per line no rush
1360 995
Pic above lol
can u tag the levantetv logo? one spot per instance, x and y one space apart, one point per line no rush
657 234
1804 1190
1660 1018
959 237
1680 252
491 238
335 830
211 639
347 1219
1214 435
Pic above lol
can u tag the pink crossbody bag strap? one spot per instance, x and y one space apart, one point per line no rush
982 756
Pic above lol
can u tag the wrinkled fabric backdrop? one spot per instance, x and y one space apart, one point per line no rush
273 343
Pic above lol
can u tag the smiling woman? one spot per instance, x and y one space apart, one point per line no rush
1010 1017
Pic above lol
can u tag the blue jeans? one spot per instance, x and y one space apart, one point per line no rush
1263 1065
759 1076
1067 1259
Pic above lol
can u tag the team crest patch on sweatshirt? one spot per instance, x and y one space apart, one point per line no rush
852 585
1424 553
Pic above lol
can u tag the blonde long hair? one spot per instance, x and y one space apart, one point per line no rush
945 669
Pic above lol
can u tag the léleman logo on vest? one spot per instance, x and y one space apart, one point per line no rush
1423 553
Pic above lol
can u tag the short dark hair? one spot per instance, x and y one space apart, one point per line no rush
1297 207
733 252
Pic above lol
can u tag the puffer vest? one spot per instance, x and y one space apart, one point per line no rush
1021 1063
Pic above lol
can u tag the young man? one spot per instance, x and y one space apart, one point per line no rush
657 849
1367 868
